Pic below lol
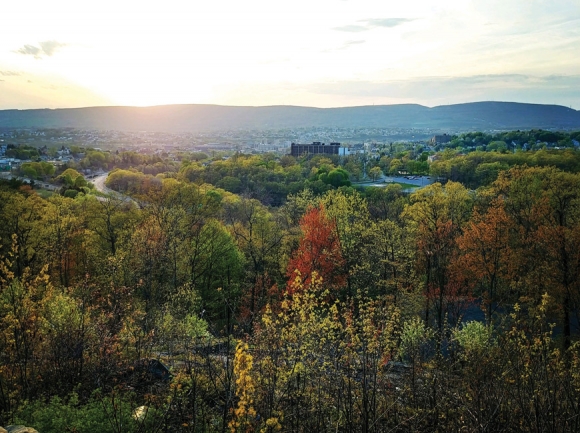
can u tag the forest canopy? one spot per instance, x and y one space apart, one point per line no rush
261 294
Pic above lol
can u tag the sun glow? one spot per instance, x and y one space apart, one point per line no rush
322 53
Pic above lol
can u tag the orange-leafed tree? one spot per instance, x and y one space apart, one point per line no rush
558 238
484 257
437 215
544 203
319 251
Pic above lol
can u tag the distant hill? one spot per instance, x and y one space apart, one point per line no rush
196 118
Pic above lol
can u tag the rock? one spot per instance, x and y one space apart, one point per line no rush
20 429
3 430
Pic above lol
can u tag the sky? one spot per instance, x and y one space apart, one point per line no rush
320 53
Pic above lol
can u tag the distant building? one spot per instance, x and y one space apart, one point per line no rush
440 139
432 158
352 149
316 148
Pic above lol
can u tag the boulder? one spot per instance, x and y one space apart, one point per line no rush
20 429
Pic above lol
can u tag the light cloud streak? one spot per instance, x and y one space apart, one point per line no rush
45 48
10 73
387 22
369 24
354 28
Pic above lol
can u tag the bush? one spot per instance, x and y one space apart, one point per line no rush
102 413
71 193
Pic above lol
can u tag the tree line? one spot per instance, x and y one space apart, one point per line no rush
447 309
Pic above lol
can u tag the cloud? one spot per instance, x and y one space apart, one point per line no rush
29 50
372 23
386 22
45 48
50 47
10 73
351 28
360 41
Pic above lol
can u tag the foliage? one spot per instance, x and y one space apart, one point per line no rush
36 170
480 168
474 338
319 252
333 310
110 414
245 413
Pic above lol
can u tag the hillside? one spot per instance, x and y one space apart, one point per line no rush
194 118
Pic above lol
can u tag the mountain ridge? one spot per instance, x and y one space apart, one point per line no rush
483 115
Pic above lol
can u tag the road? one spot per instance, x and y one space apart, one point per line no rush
100 186
99 183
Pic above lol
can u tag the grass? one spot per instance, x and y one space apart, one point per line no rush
44 193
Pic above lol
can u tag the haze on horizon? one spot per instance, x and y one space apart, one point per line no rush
323 53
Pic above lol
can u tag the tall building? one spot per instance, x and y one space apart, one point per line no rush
316 148
440 139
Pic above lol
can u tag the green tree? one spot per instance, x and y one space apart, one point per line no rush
22 215
259 237
349 212
395 166
375 173
64 222
215 268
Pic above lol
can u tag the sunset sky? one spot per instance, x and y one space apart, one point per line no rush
323 53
